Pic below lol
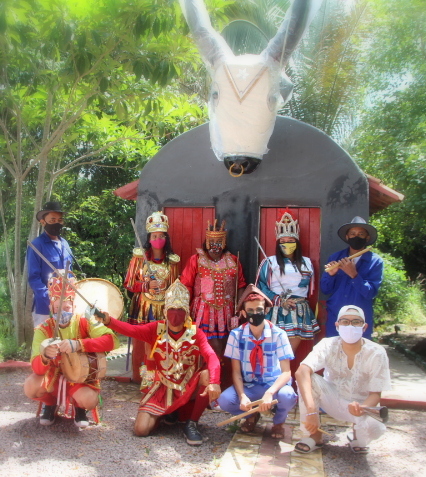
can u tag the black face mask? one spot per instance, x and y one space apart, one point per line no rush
255 319
53 229
357 243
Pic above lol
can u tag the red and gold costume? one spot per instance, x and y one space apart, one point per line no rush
213 286
146 306
177 360
93 338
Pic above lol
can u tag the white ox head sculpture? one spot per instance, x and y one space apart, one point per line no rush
247 90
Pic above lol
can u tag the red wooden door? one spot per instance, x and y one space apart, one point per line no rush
310 240
187 227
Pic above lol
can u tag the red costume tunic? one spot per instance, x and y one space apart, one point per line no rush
144 306
93 339
212 286
176 364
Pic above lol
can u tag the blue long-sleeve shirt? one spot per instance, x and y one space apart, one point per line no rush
359 291
39 271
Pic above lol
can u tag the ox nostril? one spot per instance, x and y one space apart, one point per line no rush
241 164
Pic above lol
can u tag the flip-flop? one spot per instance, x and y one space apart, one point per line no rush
277 431
250 423
308 442
354 445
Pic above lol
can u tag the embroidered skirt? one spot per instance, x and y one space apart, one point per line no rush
299 321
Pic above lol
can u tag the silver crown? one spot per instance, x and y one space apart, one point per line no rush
287 227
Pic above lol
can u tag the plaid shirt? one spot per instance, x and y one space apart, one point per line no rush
276 347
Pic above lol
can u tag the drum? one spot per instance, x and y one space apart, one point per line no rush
83 367
102 294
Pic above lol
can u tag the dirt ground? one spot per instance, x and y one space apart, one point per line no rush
110 449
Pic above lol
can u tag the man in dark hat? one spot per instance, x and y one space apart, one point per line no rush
353 281
260 353
55 249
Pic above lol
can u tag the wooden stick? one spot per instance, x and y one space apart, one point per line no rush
244 414
361 252
320 430
255 403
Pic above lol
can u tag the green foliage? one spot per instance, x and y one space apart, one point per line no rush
101 235
9 349
327 68
84 84
399 300
390 142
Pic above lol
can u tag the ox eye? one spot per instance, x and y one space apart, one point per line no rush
214 95
272 101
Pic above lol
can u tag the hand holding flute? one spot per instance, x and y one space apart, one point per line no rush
346 264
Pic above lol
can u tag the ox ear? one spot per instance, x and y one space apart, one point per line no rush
211 45
294 25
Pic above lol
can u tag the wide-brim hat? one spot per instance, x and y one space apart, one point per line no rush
358 222
248 291
49 207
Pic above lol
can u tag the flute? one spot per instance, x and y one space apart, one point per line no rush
361 252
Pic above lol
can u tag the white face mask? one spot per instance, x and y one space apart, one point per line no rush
350 334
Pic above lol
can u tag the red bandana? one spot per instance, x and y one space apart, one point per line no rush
256 355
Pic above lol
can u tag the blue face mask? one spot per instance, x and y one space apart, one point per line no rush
65 318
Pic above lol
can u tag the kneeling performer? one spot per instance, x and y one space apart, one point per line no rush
175 366
48 384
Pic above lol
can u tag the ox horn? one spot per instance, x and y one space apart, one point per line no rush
296 21
211 45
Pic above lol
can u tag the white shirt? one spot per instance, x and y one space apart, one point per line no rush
290 281
370 371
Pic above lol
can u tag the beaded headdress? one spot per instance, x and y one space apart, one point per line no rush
157 222
54 287
213 234
287 226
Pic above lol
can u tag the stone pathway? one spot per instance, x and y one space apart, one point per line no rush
258 455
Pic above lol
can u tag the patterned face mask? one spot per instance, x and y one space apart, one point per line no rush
65 318
288 248
215 247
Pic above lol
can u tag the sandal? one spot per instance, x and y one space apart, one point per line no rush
277 431
307 445
250 423
355 447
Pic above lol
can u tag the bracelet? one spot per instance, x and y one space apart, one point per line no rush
72 346
311 413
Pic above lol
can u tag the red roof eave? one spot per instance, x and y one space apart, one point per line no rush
128 191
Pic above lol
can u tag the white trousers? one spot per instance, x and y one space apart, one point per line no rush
326 397
39 319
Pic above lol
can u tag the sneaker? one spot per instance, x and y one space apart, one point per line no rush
47 418
171 419
192 434
80 419
214 406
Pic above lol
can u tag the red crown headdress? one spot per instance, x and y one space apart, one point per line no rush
54 286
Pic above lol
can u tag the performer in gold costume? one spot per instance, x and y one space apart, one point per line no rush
150 273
